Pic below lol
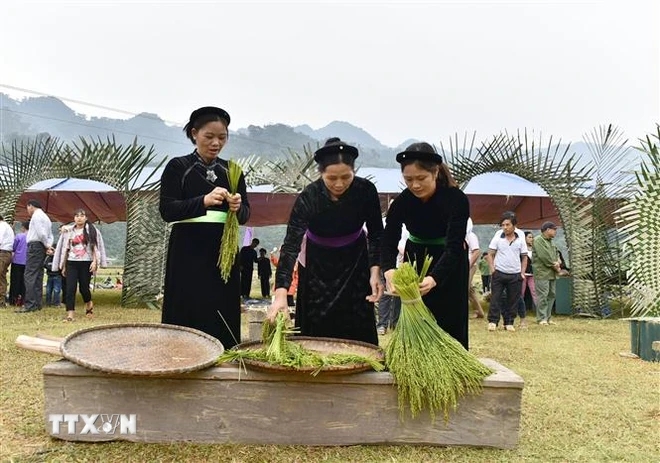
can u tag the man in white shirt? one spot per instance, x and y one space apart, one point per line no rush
507 257
6 248
39 242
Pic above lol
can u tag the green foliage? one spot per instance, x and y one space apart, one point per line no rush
229 241
26 162
641 231
432 370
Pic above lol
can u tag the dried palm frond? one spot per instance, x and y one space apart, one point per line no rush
640 231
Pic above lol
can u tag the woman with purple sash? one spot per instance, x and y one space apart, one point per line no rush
435 212
338 268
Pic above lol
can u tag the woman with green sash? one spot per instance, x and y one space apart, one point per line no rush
435 212
195 198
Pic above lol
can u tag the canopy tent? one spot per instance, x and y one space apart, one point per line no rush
489 195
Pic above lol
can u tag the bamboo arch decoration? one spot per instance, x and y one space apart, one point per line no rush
27 162
561 174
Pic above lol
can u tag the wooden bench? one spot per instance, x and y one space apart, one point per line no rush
214 406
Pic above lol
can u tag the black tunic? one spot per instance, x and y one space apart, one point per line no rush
333 284
194 290
444 215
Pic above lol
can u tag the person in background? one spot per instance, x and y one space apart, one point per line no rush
472 241
547 266
247 258
389 306
484 269
264 271
6 250
39 243
80 252
290 295
435 212
563 268
195 199
17 272
507 256
528 296
338 272
53 283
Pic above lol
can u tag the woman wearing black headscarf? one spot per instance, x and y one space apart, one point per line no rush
195 197
338 271
435 212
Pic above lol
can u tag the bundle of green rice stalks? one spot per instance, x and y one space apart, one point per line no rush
229 242
279 350
432 370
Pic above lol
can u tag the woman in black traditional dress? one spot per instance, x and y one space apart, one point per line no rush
338 271
435 212
194 197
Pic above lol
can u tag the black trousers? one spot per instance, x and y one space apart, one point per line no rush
34 275
265 286
513 284
77 274
16 282
246 281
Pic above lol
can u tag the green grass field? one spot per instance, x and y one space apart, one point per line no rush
582 401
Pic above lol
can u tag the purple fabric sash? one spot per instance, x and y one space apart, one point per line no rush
335 241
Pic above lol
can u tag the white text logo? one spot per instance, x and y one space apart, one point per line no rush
95 424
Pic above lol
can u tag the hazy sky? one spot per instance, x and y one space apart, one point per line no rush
399 70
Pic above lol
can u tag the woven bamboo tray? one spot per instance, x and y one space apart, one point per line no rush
148 349
323 346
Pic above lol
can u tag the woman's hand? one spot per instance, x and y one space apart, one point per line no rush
389 287
215 197
427 284
376 285
279 305
234 202
92 267
63 270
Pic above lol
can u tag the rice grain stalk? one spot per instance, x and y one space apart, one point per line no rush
278 350
432 370
229 241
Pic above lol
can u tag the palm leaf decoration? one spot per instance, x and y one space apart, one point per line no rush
22 164
292 173
605 270
28 161
641 229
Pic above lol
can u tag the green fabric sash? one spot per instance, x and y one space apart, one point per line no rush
427 241
210 216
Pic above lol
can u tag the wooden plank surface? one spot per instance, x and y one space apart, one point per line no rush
213 406
502 377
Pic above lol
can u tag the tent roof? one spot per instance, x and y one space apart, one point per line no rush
489 194
386 181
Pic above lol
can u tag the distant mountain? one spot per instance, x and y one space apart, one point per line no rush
31 116
345 131
372 152
49 115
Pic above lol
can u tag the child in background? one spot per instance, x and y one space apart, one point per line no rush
53 283
264 271
484 269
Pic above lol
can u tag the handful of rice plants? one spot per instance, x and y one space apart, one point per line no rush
432 370
279 350
229 242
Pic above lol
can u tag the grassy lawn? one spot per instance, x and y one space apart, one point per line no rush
582 401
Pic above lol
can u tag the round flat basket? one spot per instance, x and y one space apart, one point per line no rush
323 346
148 349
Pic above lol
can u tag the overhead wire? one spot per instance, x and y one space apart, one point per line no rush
121 111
